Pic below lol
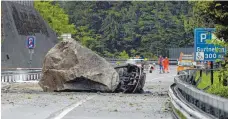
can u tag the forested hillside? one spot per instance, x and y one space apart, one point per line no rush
144 28
129 28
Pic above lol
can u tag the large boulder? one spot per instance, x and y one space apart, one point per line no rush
70 66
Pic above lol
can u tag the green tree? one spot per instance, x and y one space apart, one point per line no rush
218 12
55 16
88 38
123 55
147 27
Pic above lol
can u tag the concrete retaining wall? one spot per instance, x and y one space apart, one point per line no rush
19 20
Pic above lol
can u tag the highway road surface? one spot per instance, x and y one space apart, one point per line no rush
27 101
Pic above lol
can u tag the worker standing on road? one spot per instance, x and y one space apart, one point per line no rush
166 64
160 63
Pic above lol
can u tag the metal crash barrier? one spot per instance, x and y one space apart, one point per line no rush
20 75
211 105
171 61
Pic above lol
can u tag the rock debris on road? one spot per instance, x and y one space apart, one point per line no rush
27 100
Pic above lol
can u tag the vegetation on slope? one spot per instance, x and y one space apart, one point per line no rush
138 28
217 87
55 16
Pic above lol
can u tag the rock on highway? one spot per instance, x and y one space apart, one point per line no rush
28 101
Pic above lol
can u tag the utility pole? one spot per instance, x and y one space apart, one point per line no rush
212 73
31 51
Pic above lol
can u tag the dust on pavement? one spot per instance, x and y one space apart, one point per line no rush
27 100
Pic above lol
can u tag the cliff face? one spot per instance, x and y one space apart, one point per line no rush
18 22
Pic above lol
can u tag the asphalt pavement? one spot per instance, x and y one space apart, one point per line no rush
32 103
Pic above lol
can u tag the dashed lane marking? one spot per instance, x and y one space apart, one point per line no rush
66 110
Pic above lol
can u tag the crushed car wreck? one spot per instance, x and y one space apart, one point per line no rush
131 78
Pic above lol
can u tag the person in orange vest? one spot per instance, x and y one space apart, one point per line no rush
166 64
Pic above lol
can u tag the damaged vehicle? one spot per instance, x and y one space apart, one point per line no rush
132 78
68 66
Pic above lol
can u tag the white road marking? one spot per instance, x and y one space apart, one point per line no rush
71 107
162 77
27 81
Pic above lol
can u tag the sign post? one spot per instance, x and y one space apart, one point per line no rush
30 43
204 51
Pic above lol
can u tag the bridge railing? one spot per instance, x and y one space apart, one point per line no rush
213 105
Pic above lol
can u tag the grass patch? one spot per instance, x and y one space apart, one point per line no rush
206 80
217 88
180 115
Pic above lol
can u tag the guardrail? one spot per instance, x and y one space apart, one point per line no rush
20 75
171 61
215 106
180 109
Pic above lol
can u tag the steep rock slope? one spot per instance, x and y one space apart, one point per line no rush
20 21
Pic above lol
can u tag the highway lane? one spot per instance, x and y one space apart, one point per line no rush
129 106
28 101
